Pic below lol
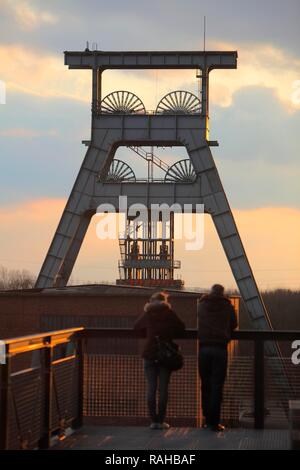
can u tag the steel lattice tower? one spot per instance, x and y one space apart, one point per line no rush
121 120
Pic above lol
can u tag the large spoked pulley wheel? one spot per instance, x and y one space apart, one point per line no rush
181 171
179 102
119 171
122 102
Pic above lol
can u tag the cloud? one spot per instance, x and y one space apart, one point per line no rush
44 75
36 73
270 236
259 65
256 129
27 16
253 184
26 133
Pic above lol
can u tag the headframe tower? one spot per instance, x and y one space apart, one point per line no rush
120 119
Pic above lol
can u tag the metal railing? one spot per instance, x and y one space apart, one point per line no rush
41 388
154 262
54 380
252 395
97 110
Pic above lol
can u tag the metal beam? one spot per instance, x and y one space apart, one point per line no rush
151 60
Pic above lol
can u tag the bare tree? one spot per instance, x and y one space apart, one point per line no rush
15 279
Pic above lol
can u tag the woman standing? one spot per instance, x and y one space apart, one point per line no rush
158 319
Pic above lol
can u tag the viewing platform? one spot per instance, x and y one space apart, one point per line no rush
84 389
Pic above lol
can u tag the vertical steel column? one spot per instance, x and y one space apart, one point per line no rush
95 89
99 87
44 442
5 370
204 98
259 384
78 421
172 235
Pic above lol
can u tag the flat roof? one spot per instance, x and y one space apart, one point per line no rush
100 289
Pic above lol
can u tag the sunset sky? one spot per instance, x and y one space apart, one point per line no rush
254 114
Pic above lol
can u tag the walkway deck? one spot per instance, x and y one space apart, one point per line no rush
136 438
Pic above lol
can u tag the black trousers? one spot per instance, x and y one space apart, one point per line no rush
212 370
158 378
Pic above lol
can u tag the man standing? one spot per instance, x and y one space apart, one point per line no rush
216 321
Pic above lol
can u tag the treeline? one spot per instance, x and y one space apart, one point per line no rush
283 306
15 279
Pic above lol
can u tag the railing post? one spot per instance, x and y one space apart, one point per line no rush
4 400
78 421
259 384
44 442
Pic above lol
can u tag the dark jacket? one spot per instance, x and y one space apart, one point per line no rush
216 320
158 319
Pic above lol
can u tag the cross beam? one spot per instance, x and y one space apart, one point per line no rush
208 60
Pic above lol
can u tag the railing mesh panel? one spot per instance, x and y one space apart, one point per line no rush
115 387
27 392
65 396
25 410
279 390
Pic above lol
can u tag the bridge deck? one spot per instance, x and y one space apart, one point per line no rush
138 438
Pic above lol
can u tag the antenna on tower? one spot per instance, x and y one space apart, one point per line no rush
204 33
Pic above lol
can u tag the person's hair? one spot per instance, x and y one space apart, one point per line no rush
217 289
159 296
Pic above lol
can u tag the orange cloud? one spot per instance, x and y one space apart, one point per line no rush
270 236
35 73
